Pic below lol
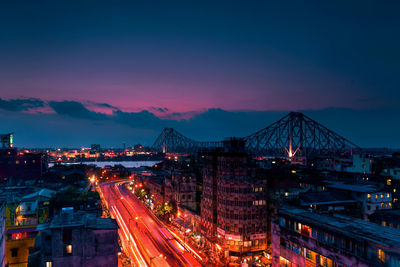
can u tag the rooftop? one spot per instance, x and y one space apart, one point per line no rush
326 197
46 193
362 188
79 219
351 227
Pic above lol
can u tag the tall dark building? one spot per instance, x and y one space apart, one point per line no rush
233 208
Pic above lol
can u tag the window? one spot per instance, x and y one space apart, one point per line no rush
49 264
381 256
311 255
324 261
306 230
286 263
14 252
68 250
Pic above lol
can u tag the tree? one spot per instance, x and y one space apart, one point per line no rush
166 209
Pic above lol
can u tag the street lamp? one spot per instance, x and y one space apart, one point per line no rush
158 256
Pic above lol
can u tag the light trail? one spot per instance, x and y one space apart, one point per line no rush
187 246
166 234
135 251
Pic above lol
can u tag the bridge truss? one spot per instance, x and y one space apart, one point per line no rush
172 141
293 135
298 135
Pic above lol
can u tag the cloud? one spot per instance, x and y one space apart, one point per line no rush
73 123
23 104
75 110
159 109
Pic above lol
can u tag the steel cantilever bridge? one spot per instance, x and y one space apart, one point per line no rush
293 135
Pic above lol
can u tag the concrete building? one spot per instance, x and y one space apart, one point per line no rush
20 229
2 237
184 189
373 197
20 165
233 207
303 238
331 202
361 164
389 218
76 239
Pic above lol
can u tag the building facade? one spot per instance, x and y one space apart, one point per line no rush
233 207
302 238
76 239
2 231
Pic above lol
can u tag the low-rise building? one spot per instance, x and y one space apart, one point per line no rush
373 197
2 232
76 239
184 189
303 238
389 218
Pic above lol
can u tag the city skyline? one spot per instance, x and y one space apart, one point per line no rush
120 73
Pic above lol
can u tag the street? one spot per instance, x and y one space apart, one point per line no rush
145 239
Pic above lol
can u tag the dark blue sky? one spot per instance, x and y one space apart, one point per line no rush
122 70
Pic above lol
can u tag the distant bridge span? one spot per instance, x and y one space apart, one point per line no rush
293 135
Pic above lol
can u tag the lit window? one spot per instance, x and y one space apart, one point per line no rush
49 264
381 255
68 249
369 195
311 255
387 195
394 190
324 261
389 182
381 195
376 196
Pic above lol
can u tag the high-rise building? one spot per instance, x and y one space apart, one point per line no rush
233 207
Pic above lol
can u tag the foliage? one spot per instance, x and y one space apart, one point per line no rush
73 196
141 193
167 209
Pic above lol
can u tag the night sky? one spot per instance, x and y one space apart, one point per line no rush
74 73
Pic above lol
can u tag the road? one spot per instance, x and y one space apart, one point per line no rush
145 239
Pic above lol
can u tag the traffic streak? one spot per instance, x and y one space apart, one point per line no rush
145 238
